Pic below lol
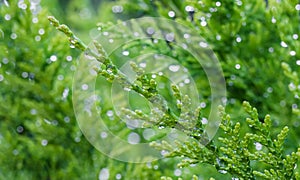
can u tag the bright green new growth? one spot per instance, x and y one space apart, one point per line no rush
232 152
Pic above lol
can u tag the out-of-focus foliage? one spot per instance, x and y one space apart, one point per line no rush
39 137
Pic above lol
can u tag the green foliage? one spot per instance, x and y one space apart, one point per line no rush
256 42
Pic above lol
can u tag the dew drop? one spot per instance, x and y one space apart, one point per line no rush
187 81
298 62
35 20
13 36
7 17
53 58
202 104
118 176
103 135
271 49
174 68
203 44
295 36
186 36
1 77
258 146
37 38
150 30
143 65
125 53
133 138
20 129
117 9
109 113
84 87
273 20
44 142
24 75
237 66
69 58
41 31
283 44
204 121
218 4
292 53
177 172
297 7
104 174
171 14
170 37
203 23
238 39
189 9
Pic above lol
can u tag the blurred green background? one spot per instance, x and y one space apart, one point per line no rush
39 136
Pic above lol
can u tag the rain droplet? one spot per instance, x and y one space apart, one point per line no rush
202 104
133 138
103 135
295 36
127 89
53 58
189 9
203 23
118 176
292 53
177 172
237 66
84 87
67 119
125 53
20 129
170 37
204 121
273 20
104 174
150 30
186 36
24 74
203 44
174 68
7 17
69 58
117 9
35 20
13 36
109 113
171 14
41 31
258 146
238 39
187 81
298 62
271 49
283 44
44 142
33 111
218 4
143 65
37 38
297 7
1 77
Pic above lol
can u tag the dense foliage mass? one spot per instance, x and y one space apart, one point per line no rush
256 42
